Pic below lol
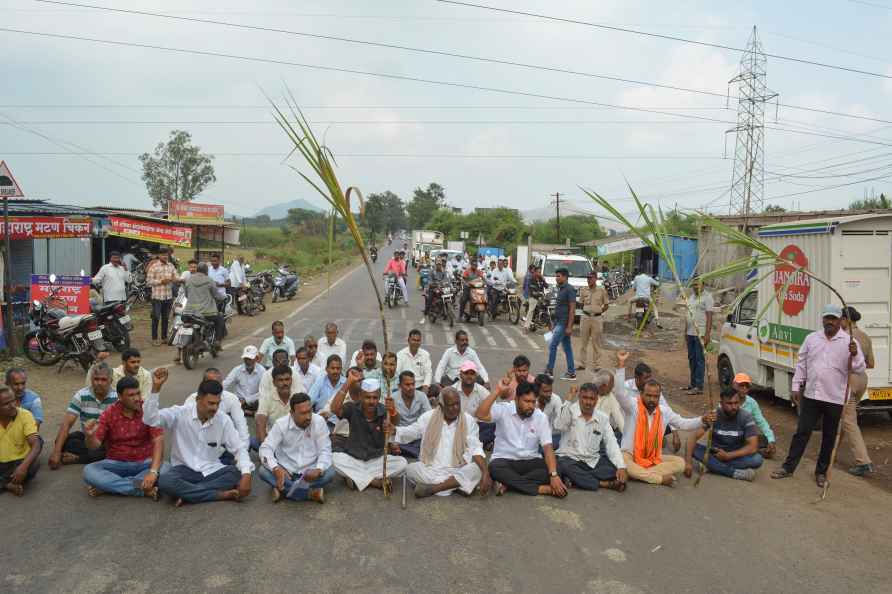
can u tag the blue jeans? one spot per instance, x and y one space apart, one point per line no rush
181 482
267 476
560 337
696 362
727 468
119 477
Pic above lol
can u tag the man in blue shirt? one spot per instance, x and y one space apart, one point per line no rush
564 315
17 379
327 384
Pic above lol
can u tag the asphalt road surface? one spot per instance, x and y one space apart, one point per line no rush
723 536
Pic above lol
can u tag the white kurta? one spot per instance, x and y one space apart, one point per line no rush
363 472
468 475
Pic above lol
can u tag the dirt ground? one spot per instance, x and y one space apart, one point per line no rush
664 350
55 388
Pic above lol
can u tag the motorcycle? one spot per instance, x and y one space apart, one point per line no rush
285 284
115 323
543 315
642 313
195 337
505 299
55 336
392 292
373 254
251 298
179 305
264 280
477 302
441 303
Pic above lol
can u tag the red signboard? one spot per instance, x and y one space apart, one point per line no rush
798 283
193 212
46 227
150 231
71 292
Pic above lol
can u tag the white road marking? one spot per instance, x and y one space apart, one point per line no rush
488 336
527 337
511 342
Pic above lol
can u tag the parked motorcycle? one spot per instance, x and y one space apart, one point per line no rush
55 336
251 298
441 303
393 295
477 303
115 323
505 300
285 284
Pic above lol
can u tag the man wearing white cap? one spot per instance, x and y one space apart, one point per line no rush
244 379
362 462
825 361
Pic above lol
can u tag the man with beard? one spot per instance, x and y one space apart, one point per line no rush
472 394
521 429
19 445
296 454
133 450
825 361
86 405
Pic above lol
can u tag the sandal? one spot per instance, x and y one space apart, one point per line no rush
781 473
821 480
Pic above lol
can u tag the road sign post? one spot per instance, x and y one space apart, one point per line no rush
9 188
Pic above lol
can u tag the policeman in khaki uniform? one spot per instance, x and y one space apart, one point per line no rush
594 301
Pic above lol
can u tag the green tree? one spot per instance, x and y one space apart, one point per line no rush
424 203
177 170
577 228
384 213
774 208
878 203
310 222
679 223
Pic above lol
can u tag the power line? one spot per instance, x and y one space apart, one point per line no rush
401 47
327 107
396 155
664 37
272 122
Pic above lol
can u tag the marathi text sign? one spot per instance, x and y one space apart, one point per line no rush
150 231
193 212
621 245
46 228
791 284
70 292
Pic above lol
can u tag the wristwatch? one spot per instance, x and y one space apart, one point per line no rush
553 473
153 471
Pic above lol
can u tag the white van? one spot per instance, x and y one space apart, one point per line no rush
853 254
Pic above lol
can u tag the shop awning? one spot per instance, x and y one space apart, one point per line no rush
152 231
47 227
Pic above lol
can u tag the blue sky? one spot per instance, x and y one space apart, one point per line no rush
405 134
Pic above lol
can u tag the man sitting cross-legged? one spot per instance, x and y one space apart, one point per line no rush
229 405
19 444
521 428
647 417
451 453
735 442
86 405
195 431
583 431
362 462
296 454
411 404
274 406
133 450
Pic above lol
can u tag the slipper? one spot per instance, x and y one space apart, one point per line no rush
781 473
821 480
499 488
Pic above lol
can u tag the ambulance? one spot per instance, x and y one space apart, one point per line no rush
854 255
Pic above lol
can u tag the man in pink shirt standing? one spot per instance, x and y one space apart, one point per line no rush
397 266
823 369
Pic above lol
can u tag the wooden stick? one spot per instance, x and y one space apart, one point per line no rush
839 429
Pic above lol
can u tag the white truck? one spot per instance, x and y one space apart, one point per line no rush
853 254
422 242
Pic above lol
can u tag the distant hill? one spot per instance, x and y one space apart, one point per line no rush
280 211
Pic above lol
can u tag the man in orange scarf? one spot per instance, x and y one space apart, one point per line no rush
645 424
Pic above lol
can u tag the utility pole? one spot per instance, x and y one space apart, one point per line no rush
557 205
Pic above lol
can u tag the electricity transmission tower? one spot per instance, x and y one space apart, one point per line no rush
748 177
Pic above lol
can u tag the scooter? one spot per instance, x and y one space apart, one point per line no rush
285 284
477 302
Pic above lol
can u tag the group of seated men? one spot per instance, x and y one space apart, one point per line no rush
373 423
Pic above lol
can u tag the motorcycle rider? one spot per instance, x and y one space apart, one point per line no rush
535 291
498 280
438 278
642 284
373 252
201 292
397 267
467 276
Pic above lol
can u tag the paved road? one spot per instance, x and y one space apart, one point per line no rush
723 536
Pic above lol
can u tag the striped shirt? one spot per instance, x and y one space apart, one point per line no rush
87 407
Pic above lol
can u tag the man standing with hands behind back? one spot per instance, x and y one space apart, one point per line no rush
595 301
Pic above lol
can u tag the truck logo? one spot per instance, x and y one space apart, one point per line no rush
797 282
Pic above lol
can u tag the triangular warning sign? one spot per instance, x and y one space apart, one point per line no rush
9 187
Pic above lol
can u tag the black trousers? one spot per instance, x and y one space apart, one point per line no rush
584 476
76 444
7 468
524 476
809 412
160 312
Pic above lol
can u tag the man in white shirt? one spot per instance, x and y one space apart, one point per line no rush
521 429
312 346
244 379
237 280
417 360
272 407
368 359
649 413
607 402
268 388
277 341
451 455
472 394
218 273
231 406
583 431
549 403
113 278
196 473
331 345
453 358
296 454
303 370
698 316
643 283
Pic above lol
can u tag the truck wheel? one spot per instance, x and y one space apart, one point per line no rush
725 371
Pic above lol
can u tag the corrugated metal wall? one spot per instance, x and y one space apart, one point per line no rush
62 256
684 252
